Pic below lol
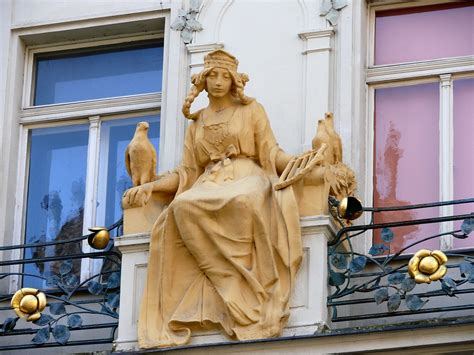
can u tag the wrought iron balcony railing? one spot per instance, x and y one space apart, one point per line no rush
368 287
69 309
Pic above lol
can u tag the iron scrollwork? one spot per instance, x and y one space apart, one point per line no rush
392 278
70 302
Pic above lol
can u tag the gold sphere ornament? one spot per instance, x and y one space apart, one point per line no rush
350 208
426 266
29 302
100 237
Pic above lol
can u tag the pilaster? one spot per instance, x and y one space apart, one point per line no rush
446 155
317 79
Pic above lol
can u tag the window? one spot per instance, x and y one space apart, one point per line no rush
421 89
98 74
82 104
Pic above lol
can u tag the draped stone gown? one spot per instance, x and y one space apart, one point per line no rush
225 252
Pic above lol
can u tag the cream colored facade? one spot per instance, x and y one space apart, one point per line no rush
300 66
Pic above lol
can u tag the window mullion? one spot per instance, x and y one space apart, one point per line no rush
446 148
91 191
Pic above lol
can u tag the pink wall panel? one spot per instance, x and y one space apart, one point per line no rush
423 33
406 157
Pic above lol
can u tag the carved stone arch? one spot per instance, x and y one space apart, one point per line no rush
304 12
222 13
203 9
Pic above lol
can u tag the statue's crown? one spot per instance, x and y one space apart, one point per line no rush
221 59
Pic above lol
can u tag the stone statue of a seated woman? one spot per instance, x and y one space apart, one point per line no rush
225 251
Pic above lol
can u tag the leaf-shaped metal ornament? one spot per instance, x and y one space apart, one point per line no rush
394 302
74 321
414 303
339 261
467 225
326 6
66 267
94 287
61 333
378 249
9 324
336 278
114 280
470 279
448 285
408 284
71 280
396 278
358 264
387 235
114 300
57 308
43 320
465 268
381 295
41 337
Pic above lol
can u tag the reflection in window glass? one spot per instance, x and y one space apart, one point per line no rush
55 203
99 74
114 179
463 102
424 33
407 158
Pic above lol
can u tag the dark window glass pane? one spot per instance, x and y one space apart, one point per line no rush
55 203
99 74
114 179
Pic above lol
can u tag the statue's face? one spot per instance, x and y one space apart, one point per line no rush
218 82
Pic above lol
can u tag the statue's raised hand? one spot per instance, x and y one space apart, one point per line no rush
138 195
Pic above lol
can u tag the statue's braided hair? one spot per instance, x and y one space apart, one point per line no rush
199 84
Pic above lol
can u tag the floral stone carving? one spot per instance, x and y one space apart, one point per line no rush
186 22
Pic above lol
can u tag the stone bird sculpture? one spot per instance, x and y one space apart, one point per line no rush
334 137
140 156
326 134
322 137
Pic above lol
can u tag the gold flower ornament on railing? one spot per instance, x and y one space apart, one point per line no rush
426 266
29 302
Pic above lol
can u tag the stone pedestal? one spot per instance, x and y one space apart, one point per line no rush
309 312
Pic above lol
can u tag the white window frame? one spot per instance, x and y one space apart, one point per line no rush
94 112
444 71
